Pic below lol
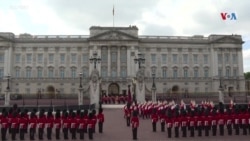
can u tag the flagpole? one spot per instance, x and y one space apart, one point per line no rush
113 16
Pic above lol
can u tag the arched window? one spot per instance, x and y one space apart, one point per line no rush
51 72
39 72
28 72
185 72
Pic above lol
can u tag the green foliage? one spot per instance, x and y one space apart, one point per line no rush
247 75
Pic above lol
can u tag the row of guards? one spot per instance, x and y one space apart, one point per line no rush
67 122
204 117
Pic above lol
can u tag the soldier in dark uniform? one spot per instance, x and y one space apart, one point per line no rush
135 124
176 124
229 122
41 124
33 123
199 124
162 119
100 118
49 123
23 123
184 123
207 123
73 125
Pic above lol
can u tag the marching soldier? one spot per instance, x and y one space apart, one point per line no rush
82 125
169 123
154 118
135 125
14 125
127 112
184 123
23 123
49 124
86 119
214 123
244 123
221 122
192 124
199 124
57 123
229 122
91 125
237 123
207 123
4 125
66 125
41 124
100 118
73 125
176 121
32 124
94 118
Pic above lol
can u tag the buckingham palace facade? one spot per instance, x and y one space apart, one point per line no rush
187 64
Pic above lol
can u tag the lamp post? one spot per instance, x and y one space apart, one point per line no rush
153 88
8 82
95 59
140 60
80 90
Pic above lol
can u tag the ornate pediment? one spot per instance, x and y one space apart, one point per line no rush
228 39
113 35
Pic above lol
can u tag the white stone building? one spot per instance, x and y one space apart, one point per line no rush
185 64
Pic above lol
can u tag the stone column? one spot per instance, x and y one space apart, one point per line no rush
221 95
80 96
95 88
7 98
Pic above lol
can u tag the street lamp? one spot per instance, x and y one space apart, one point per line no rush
8 82
140 60
95 59
153 88
80 90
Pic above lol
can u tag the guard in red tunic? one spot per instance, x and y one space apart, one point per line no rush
66 126
236 123
228 120
94 118
214 123
73 125
191 124
23 125
184 123
176 122
86 119
154 118
91 125
244 123
57 124
32 124
199 124
82 124
127 113
49 124
169 124
207 123
4 125
14 126
221 122
41 124
100 118
162 119
135 124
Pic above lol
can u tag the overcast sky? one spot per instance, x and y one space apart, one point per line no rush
152 17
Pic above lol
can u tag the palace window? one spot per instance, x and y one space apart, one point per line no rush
185 58
175 72
28 72
185 72
196 72
175 58
153 58
104 72
205 59
51 58
62 58
123 72
39 72
85 58
113 57
235 60
40 58
18 58
1 73
29 58
227 58
51 72
164 58
1 57
235 72
73 58
228 72
17 72
206 72
164 72
195 58
62 72
73 72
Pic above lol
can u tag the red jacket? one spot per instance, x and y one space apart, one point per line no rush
91 123
33 122
169 122
65 123
41 122
57 123
73 123
135 122
14 123
4 122
49 122
82 123
154 117
100 117
23 123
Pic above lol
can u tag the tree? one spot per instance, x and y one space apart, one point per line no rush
247 75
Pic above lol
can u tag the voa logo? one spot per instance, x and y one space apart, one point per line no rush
228 16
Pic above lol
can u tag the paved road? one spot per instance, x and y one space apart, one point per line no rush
115 129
